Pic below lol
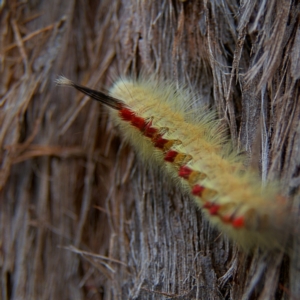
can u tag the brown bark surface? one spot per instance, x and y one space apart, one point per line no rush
80 216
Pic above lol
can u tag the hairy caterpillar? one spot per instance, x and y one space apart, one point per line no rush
193 150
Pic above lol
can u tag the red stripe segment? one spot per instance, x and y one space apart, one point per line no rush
198 190
150 132
126 114
214 209
160 142
138 122
184 172
238 222
171 155
129 116
144 126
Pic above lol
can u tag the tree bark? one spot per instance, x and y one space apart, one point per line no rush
81 216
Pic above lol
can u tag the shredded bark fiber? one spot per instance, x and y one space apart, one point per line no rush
80 216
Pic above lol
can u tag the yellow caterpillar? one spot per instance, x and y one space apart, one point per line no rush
155 118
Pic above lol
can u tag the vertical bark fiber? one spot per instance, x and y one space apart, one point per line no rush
80 216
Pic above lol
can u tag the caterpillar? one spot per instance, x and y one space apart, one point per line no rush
193 149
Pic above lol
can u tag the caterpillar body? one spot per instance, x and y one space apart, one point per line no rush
193 149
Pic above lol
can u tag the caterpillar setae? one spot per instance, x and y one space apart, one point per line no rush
192 148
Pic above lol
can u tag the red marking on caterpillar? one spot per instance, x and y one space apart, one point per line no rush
238 222
138 122
197 190
160 142
214 208
171 155
213 171
150 132
185 172
126 114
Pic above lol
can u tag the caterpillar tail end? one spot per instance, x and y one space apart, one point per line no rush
104 98
64 81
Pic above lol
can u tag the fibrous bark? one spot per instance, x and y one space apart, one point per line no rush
81 217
